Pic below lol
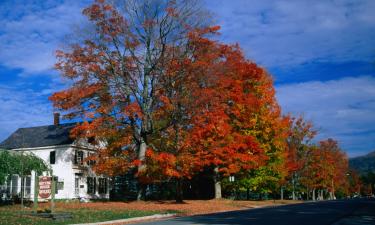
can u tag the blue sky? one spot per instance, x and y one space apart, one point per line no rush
320 53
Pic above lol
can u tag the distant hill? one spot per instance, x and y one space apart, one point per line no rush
362 164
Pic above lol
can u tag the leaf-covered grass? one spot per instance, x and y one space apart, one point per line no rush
14 215
104 211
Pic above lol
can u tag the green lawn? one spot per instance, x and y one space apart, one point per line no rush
12 215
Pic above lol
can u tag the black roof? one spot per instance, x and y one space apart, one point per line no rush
39 136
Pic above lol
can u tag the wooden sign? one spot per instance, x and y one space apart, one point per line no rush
45 184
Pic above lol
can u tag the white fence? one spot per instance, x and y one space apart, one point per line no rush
15 187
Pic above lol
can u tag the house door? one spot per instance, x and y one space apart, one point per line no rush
78 189
76 185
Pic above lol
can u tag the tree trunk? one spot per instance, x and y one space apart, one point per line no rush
331 195
333 190
313 195
307 194
141 191
319 195
141 168
179 191
294 187
282 193
247 193
217 183
322 194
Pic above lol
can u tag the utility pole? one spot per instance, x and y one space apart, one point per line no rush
22 172
22 181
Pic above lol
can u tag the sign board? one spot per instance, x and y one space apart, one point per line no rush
45 184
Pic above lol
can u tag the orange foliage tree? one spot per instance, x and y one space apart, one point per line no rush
335 165
301 133
238 126
116 77
326 169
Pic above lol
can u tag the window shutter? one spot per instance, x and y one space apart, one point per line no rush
75 157
89 183
52 157
94 185
56 179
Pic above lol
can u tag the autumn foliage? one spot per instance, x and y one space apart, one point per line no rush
165 100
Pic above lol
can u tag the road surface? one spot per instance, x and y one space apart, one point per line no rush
339 212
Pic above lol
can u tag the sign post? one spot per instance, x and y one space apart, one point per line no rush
53 193
47 189
36 191
45 186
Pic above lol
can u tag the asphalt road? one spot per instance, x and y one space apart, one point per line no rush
339 212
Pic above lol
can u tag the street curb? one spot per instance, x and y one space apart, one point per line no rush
135 219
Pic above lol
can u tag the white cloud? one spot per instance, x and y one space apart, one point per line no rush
342 109
273 33
291 32
22 108
31 31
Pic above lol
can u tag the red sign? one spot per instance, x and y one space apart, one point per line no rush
45 184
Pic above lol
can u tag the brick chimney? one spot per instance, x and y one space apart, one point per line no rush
56 118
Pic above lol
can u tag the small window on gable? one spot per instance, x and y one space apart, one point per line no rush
91 159
91 140
52 157
78 157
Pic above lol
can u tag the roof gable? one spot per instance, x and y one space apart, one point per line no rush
41 136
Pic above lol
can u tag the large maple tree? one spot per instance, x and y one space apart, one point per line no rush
239 127
116 75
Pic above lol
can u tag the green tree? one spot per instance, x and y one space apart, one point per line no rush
21 164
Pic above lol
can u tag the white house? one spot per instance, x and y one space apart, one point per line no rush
72 173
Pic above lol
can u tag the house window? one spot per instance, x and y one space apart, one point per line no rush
9 184
60 185
91 185
14 184
52 157
27 183
103 185
78 157
90 162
